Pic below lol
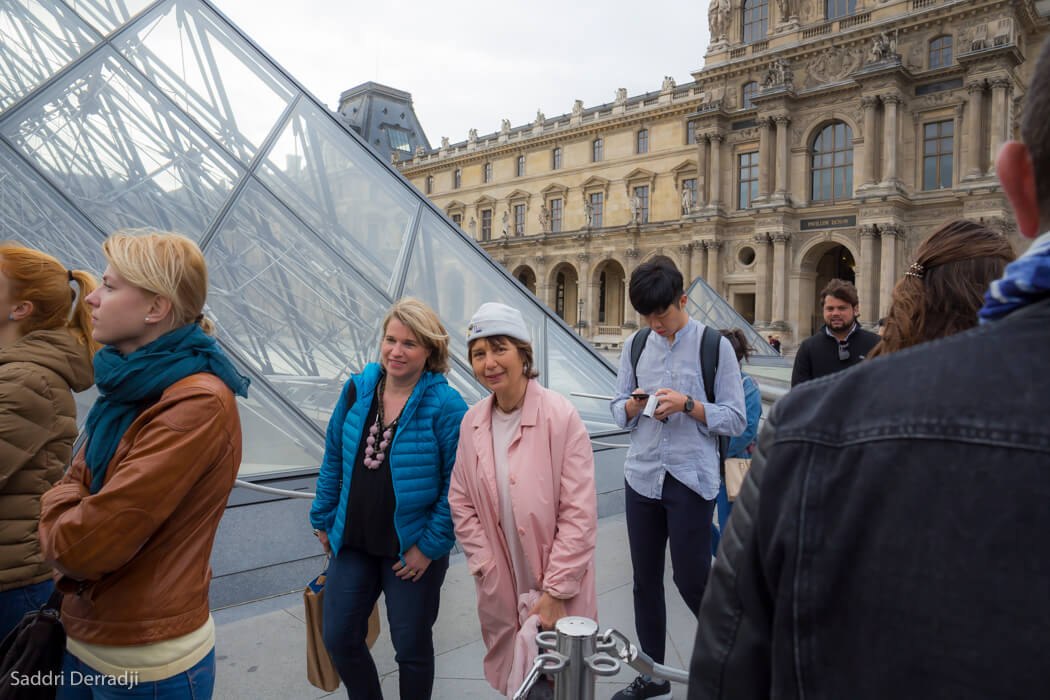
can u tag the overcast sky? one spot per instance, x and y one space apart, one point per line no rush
469 63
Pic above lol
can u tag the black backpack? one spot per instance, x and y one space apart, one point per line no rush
36 645
709 342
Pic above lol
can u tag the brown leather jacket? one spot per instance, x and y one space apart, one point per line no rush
38 425
134 556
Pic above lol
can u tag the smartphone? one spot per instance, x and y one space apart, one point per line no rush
640 397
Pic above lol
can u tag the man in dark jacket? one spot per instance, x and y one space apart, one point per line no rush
895 546
840 342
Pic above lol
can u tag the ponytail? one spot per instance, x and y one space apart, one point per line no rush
79 323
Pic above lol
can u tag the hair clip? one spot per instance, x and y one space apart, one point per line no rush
915 270
70 273
200 317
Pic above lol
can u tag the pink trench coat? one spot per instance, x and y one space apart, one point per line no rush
555 507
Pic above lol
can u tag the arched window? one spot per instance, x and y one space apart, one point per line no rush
748 95
756 20
832 163
559 295
601 297
833 9
941 52
643 141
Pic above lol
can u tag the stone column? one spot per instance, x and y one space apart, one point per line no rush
870 104
974 127
716 170
585 291
780 273
998 132
765 156
890 234
702 147
890 137
868 234
699 259
689 270
543 287
712 265
762 296
782 155
630 256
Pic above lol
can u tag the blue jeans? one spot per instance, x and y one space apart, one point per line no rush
15 603
353 585
722 507
81 682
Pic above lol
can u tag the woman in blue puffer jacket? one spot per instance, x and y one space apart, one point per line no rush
741 445
381 508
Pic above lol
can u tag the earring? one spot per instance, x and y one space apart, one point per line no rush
11 317
147 319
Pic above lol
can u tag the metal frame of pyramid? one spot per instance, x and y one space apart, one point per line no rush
128 114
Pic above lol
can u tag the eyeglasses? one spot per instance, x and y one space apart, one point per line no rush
843 350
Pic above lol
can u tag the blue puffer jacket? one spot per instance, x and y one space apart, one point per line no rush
421 460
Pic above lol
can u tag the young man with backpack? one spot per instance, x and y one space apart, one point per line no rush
679 390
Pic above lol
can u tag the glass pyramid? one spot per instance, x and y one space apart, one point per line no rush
709 308
131 114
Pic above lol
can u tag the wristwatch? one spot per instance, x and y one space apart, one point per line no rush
689 404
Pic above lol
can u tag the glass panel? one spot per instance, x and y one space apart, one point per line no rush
342 191
931 131
826 184
708 307
122 153
930 147
946 145
107 15
816 185
32 214
849 181
840 182
946 171
462 380
274 438
209 72
571 369
291 309
37 39
447 273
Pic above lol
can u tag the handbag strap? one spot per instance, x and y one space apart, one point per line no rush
54 601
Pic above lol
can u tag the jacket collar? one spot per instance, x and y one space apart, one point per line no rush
530 410
371 375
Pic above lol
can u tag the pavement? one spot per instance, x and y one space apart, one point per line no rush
260 648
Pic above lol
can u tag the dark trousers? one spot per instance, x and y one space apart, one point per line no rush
16 602
354 582
684 517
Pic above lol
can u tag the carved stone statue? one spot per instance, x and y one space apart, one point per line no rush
718 19
444 142
472 135
783 9
687 200
473 226
577 108
883 47
505 126
778 73
621 96
668 84
506 224
588 211
545 219
420 151
540 118
636 209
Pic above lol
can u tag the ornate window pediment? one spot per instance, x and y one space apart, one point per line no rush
554 189
638 177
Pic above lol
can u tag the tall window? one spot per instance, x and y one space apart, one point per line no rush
457 219
941 52
430 184
690 131
559 295
747 171
521 166
556 158
749 94
457 178
486 224
833 163
643 141
756 20
937 150
601 297
519 219
555 209
486 172
596 151
690 187
643 197
833 9
597 200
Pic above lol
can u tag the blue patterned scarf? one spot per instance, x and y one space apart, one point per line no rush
128 384
1025 281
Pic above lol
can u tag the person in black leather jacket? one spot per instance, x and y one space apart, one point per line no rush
890 538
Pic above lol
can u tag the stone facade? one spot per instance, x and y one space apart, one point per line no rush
852 139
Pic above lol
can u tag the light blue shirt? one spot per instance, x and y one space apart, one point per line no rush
683 446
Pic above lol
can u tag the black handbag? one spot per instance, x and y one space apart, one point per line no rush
31 655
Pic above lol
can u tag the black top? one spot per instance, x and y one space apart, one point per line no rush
370 512
819 354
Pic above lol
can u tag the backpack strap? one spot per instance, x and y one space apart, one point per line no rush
709 352
637 345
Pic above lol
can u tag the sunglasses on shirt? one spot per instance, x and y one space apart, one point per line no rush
843 350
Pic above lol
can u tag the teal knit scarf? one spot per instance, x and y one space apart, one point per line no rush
127 385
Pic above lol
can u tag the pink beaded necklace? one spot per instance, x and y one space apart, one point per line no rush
374 456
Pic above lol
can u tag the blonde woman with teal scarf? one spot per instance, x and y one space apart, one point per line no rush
130 527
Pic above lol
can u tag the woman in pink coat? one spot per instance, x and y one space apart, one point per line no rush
522 497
